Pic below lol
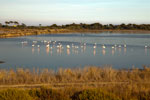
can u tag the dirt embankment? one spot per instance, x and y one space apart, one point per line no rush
7 33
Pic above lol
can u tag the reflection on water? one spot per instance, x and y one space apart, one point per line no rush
68 51
80 49
104 52
47 50
113 51
94 52
38 50
33 50
53 51
145 51
119 49
125 50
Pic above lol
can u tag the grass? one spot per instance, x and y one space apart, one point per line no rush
89 83
77 75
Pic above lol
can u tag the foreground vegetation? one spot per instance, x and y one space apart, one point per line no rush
85 75
14 29
89 83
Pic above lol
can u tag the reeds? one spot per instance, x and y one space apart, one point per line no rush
77 75
89 83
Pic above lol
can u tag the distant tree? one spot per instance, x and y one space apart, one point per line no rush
6 22
40 25
11 22
111 26
123 26
16 23
1 25
96 26
54 26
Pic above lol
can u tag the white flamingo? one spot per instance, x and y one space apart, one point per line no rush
119 46
125 45
47 45
38 46
68 46
33 45
94 46
103 46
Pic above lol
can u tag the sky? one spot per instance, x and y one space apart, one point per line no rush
47 12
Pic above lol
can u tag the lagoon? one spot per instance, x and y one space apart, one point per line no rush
71 50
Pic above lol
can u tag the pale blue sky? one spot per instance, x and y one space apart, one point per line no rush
46 12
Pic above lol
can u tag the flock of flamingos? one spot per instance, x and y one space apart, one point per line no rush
49 45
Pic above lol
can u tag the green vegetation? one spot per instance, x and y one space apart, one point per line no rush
14 94
46 93
94 94
81 26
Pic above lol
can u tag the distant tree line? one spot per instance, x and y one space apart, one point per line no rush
98 26
74 26
12 24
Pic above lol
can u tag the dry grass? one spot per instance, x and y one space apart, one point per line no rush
80 84
85 75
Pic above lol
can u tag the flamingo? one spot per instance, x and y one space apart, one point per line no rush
125 45
33 45
103 47
68 46
119 46
47 45
112 47
38 46
94 46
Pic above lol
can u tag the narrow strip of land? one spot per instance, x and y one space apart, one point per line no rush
8 33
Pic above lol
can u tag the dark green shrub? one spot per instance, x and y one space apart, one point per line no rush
35 93
14 94
94 94
48 94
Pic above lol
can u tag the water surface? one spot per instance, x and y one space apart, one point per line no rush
76 50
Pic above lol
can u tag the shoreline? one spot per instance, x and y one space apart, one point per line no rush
9 33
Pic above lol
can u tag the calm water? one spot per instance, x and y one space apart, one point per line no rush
76 50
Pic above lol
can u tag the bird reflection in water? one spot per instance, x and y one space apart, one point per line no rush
47 50
145 51
125 50
59 50
103 52
113 51
83 48
68 51
24 43
38 50
33 50
94 52
119 48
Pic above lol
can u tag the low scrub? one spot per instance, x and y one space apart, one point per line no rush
45 93
14 94
94 94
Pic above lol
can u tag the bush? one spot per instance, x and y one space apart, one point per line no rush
94 94
14 94
48 94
